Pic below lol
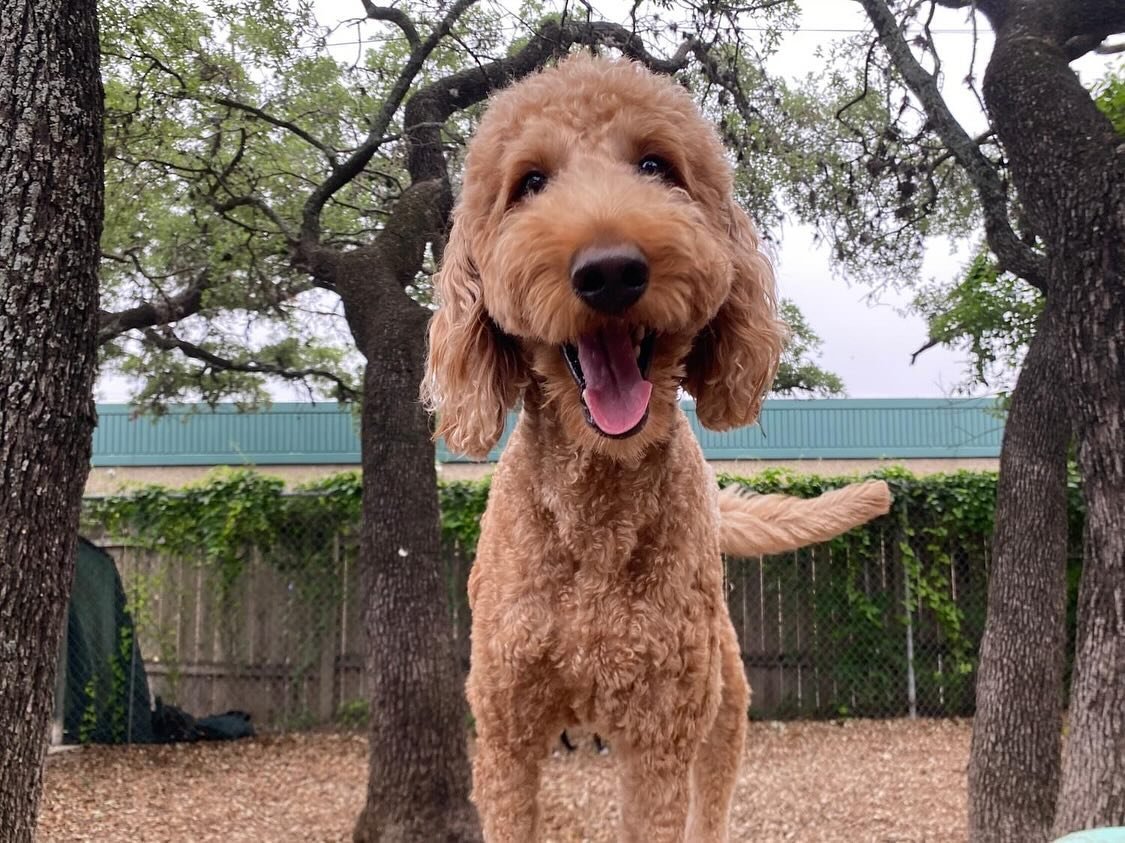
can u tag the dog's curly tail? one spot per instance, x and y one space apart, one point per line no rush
755 525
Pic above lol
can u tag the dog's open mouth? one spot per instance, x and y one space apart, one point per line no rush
609 365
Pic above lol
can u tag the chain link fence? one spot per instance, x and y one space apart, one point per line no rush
280 639
886 623
872 632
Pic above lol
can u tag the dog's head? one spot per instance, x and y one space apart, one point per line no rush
596 251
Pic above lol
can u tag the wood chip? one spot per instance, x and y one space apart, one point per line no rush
862 780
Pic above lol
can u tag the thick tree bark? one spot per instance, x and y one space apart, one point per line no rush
1014 760
418 784
50 222
1092 791
1069 175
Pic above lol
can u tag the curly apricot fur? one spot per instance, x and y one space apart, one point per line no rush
597 590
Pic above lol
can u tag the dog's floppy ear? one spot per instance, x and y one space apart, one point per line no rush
734 358
472 369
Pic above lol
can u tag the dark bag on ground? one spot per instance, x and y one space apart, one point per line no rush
174 725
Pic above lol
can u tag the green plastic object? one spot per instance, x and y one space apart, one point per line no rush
106 692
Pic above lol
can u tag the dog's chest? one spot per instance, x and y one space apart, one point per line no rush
615 636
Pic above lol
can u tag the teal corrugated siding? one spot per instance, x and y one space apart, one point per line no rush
861 428
190 435
328 434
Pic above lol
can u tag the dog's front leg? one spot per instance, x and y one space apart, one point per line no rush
516 721
506 791
514 725
654 794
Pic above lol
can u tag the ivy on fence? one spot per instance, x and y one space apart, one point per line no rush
903 576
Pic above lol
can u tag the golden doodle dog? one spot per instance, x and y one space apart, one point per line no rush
597 264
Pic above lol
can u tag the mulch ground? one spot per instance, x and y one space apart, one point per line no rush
857 781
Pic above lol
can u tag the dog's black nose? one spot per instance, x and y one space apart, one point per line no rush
609 278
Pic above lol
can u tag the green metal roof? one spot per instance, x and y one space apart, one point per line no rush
318 434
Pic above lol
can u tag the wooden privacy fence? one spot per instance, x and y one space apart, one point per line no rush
288 652
835 632
856 629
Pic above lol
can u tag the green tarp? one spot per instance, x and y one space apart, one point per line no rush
104 690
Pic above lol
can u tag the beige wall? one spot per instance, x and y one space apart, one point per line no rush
744 468
104 481
834 468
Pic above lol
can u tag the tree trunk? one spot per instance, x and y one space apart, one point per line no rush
1014 760
1092 792
1068 172
418 787
50 221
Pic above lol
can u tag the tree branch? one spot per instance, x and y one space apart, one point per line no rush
396 16
431 107
353 166
1078 45
160 312
166 309
168 341
1075 26
421 213
261 114
1059 144
224 208
419 216
979 141
265 116
1090 22
1013 255
926 346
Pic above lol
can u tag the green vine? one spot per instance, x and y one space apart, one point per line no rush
120 669
88 725
936 540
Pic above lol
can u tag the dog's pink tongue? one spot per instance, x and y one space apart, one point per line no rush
616 394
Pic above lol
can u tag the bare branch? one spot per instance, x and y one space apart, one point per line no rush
930 343
1083 155
980 140
396 16
862 95
158 312
166 309
419 215
265 116
224 208
236 159
261 114
353 166
970 79
1075 26
1087 23
1078 45
168 341
429 109
1013 254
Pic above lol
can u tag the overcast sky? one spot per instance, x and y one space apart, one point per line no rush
867 342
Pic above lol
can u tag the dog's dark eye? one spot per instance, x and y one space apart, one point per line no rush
654 165
533 182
